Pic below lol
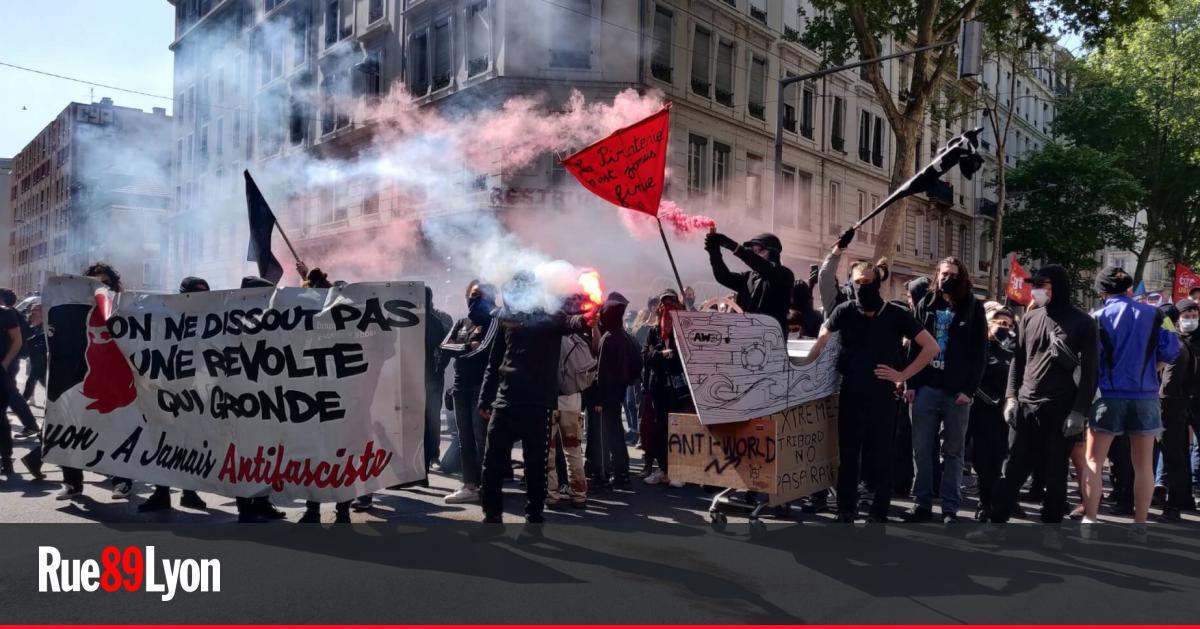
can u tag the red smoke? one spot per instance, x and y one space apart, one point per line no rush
682 222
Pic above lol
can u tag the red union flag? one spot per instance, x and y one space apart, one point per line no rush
1019 289
1185 281
626 168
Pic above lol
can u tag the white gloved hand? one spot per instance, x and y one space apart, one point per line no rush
1010 412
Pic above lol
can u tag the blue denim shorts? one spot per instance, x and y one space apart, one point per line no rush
1120 416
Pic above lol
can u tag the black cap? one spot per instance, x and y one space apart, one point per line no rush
191 284
766 241
253 281
1113 280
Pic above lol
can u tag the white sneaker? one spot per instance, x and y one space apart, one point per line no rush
676 483
655 478
465 495
68 493
122 490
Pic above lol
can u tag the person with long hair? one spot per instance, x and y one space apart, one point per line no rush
941 394
665 382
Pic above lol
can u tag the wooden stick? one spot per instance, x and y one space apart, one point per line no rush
662 232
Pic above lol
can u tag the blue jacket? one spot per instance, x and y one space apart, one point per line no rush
1132 343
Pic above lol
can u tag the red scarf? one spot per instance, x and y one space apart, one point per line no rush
665 320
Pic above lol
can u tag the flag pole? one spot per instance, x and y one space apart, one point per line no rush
662 232
287 242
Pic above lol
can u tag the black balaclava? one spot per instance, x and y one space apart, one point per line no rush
612 312
767 241
867 296
1113 281
480 307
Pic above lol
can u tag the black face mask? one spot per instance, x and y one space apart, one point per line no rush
1003 335
950 285
479 310
867 296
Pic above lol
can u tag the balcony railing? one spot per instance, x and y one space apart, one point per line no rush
986 207
942 193
661 72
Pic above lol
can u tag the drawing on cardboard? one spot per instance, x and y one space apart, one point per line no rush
738 367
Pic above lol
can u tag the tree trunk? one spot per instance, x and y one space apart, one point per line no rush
903 168
1143 258
994 273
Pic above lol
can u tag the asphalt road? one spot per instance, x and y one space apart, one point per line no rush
23 500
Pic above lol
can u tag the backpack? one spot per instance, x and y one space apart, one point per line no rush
577 367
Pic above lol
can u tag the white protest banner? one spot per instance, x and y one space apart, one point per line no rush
310 393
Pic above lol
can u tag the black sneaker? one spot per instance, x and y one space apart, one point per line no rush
493 519
917 516
846 518
1121 510
267 511
311 516
6 466
983 513
535 518
192 500
877 519
35 468
158 501
1159 498
1170 515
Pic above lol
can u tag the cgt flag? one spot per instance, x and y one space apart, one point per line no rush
1018 290
627 168
262 223
1185 281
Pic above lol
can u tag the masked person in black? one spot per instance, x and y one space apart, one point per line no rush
663 379
872 354
619 365
259 508
988 433
941 394
1051 384
1180 383
520 390
161 498
767 287
468 343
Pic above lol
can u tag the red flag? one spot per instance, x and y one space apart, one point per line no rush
627 168
1019 289
1185 281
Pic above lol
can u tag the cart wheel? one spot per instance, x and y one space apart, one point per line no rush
758 529
718 521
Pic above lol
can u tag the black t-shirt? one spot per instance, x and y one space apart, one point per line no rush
9 319
870 341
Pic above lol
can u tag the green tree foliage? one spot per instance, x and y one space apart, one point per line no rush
841 28
1068 203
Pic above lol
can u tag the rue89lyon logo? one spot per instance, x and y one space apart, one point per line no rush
132 569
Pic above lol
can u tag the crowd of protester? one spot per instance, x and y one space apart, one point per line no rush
940 391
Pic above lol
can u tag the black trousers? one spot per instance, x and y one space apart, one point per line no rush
1122 471
988 434
1175 451
902 457
866 423
531 426
1039 440
6 439
37 372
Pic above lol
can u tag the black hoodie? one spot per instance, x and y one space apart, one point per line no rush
959 365
765 289
1036 376
618 352
523 363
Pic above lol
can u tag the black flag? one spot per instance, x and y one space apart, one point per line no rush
262 223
